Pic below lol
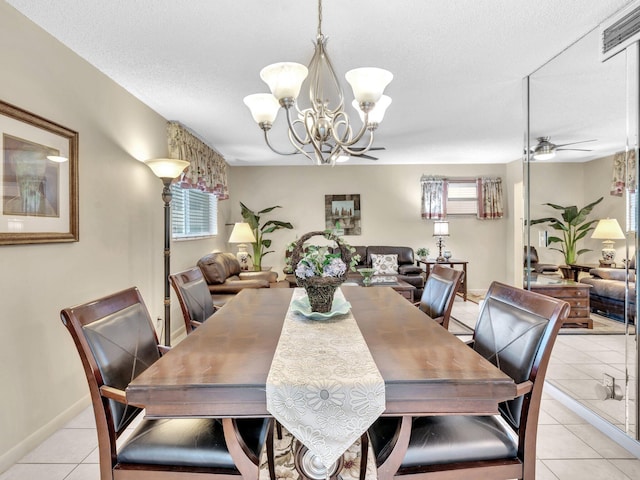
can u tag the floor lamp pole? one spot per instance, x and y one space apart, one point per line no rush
166 197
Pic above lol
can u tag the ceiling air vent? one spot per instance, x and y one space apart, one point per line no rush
620 30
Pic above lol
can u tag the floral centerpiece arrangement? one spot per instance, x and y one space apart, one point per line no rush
321 271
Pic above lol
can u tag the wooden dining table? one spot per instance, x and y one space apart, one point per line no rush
220 370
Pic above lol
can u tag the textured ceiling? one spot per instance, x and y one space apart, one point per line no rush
458 65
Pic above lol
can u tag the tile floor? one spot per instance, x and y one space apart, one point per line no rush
568 447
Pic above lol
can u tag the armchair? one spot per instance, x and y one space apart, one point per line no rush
225 279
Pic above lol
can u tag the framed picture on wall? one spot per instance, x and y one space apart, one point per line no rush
342 214
39 179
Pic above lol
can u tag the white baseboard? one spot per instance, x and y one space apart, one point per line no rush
8 458
610 430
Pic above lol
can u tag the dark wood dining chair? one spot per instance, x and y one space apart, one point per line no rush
116 341
194 297
440 293
515 331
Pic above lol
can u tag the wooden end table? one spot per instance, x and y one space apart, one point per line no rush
429 262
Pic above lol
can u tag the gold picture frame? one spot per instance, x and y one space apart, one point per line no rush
38 179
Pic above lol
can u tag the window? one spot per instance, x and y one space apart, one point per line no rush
462 197
632 205
193 213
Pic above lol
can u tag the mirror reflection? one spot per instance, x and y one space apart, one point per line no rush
581 230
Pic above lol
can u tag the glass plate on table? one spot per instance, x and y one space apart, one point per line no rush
303 307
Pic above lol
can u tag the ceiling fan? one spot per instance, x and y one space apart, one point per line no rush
345 157
545 149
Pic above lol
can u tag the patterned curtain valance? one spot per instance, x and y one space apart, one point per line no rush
208 169
490 198
434 193
624 173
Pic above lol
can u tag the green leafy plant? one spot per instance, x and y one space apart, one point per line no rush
573 225
261 245
422 252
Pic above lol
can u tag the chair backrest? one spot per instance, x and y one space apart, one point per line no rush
530 255
116 341
439 293
193 295
516 331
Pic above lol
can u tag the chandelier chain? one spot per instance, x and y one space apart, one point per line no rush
319 18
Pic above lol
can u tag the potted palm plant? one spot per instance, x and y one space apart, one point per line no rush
261 245
573 225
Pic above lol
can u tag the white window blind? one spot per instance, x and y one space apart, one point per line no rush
462 197
193 213
632 208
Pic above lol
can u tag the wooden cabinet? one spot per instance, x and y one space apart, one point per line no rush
574 293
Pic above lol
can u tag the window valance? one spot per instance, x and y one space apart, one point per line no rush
208 169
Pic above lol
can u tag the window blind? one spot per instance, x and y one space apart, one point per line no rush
193 213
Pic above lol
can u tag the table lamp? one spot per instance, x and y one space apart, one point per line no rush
440 229
242 234
608 230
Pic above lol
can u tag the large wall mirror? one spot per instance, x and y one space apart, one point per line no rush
582 140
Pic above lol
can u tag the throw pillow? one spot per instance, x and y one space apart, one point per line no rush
384 264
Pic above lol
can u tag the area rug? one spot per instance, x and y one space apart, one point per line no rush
285 468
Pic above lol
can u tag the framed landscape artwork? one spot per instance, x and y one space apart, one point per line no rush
39 175
342 214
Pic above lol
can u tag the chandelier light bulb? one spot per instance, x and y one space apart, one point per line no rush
376 114
263 106
368 83
284 79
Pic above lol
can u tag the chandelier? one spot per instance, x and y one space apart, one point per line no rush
324 127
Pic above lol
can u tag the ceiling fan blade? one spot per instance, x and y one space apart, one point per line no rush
575 149
358 149
574 143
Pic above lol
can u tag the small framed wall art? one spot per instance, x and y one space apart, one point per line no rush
342 214
39 179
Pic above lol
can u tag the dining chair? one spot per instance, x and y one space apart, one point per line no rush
115 338
194 297
515 331
440 293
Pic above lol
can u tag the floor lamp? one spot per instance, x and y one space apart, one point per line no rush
167 169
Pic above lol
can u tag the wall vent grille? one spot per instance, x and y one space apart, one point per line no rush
620 31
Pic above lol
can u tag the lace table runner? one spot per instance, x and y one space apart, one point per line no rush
323 385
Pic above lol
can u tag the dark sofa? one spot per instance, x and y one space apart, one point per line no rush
607 294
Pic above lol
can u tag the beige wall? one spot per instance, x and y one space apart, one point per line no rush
574 184
121 225
390 205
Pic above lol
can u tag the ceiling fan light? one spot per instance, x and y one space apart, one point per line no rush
368 83
544 155
263 106
284 79
376 114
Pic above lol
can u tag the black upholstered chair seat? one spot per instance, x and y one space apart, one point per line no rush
194 442
449 439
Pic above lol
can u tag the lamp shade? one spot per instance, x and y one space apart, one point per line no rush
242 233
264 107
284 79
608 229
167 167
376 114
368 83
441 229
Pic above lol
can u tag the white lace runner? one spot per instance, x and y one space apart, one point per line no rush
323 385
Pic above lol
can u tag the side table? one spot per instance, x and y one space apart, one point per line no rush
451 263
575 293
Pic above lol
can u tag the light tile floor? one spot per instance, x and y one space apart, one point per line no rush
568 447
